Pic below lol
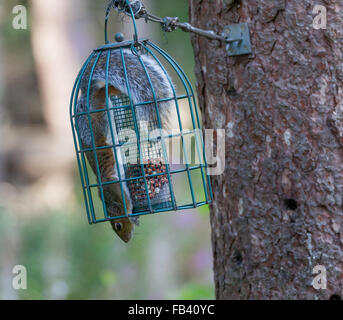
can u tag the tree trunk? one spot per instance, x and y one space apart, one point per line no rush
59 33
277 211
56 58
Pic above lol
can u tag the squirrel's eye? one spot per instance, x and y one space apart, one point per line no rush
118 226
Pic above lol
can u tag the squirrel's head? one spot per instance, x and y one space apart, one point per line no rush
123 228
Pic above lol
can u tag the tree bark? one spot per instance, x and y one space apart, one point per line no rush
277 210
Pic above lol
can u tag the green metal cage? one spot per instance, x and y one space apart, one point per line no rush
145 163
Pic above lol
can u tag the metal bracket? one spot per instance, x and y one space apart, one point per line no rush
238 39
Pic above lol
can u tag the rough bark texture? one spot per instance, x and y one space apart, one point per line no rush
278 206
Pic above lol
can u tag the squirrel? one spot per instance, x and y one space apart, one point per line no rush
140 92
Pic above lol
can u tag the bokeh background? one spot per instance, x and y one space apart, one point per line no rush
43 223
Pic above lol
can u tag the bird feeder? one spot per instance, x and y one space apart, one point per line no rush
145 163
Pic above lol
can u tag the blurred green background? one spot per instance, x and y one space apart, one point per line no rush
43 223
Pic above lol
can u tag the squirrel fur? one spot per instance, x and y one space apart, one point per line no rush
140 92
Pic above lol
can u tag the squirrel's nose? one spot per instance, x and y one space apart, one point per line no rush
127 237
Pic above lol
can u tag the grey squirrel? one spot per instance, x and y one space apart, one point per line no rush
140 92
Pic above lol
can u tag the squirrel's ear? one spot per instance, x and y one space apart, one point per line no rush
134 220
